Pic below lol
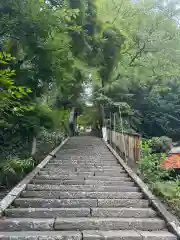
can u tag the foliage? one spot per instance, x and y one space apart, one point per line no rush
11 95
88 117
169 192
14 169
150 164
161 144
146 74
46 141
49 50
161 181
40 76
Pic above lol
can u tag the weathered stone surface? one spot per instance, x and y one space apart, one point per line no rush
47 212
123 212
26 224
78 195
71 163
49 165
57 181
37 235
158 235
109 169
109 224
107 163
60 187
122 203
109 173
73 182
61 171
111 235
84 174
106 183
84 188
54 203
62 176
107 178
59 177
5 202
61 165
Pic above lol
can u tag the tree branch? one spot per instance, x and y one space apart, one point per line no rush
138 54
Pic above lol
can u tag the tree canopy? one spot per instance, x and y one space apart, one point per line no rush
127 50
145 76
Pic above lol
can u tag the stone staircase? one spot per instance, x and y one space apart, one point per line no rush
83 193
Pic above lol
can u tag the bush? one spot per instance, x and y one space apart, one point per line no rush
170 193
14 169
150 164
160 180
161 144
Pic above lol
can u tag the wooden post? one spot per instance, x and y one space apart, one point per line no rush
110 131
115 130
125 155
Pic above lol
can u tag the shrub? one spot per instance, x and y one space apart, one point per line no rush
14 169
170 193
161 144
150 164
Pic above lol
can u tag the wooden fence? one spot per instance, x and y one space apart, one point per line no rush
127 144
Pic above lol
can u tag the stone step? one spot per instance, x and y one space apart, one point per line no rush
73 203
83 188
71 163
121 177
106 177
82 164
105 168
108 182
63 172
82 155
88 164
117 169
84 168
83 182
107 172
27 224
86 191
109 203
86 173
107 164
84 158
57 181
43 235
100 171
47 212
70 174
80 212
123 212
42 177
79 195
63 166
54 203
127 235
145 224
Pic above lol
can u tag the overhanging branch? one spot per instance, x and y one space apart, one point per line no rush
138 54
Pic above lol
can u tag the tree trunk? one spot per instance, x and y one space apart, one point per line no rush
34 146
